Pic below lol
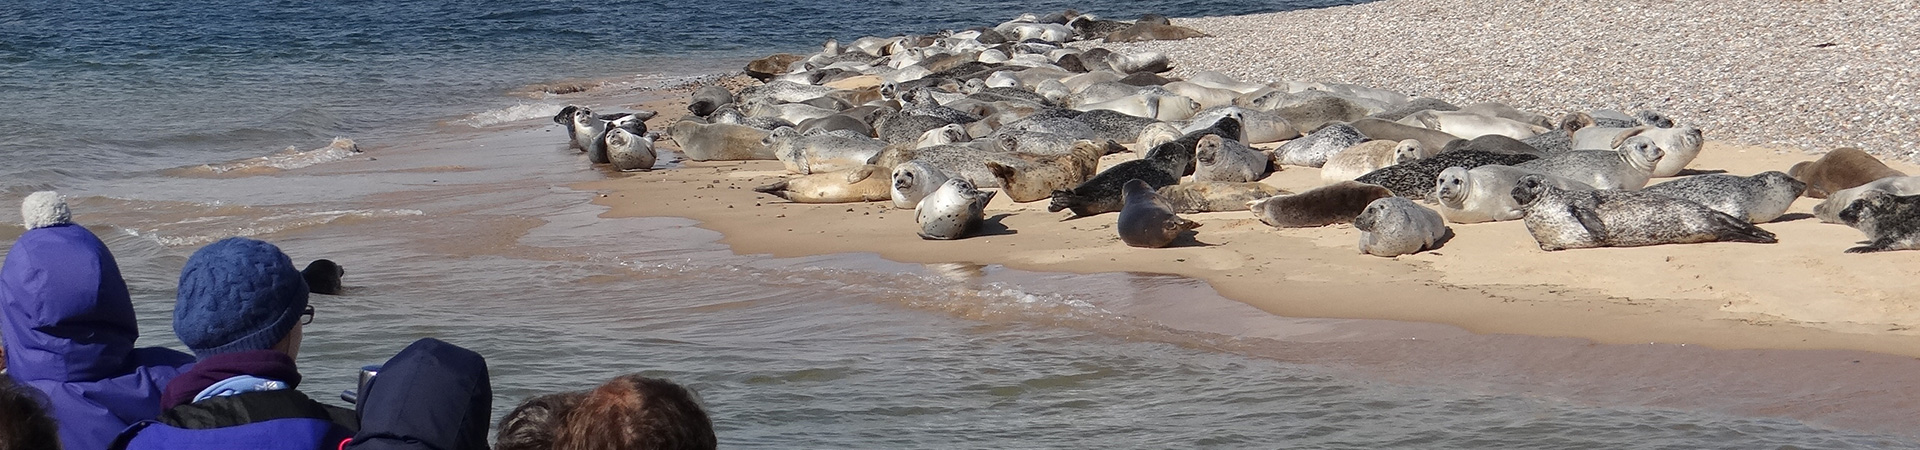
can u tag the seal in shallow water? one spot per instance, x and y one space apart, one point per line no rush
1395 226
954 211
627 151
1561 219
323 277
1147 221
1758 199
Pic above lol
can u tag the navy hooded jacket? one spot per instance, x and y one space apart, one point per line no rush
69 329
431 396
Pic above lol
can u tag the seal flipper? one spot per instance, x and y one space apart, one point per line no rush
1590 221
1877 245
1062 199
778 189
1738 230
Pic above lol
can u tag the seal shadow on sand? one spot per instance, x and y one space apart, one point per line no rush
1189 238
991 226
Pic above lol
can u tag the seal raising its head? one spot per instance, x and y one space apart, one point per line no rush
1395 226
1147 221
912 181
954 211
323 277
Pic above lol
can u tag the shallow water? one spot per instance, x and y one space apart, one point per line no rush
451 227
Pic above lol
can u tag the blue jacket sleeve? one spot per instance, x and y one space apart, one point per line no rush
431 396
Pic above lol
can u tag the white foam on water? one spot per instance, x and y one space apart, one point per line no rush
292 158
515 113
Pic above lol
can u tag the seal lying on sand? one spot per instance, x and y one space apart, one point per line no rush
1313 149
1395 226
1758 199
1626 168
1370 156
627 151
954 211
1102 194
719 141
1219 159
1147 221
864 184
1829 210
1024 181
1891 222
1415 179
1561 219
1842 168
1325 205
1485 193
1215 196
912 181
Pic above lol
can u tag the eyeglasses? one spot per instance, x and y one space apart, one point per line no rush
306 316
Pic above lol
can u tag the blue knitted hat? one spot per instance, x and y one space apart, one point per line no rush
237 295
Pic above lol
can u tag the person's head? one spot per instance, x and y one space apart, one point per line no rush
239 295
531 425
633 412
24 421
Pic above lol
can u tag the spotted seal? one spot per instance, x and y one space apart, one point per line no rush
1147 221
1758 199
1370 156
1394 226
1415 179
1679 145
863 184
1626 168
1829 210
1561 219
1162 166
1325 205
1025 181
1220 159
719 141
1215 196
817 151
707 99
1891 222
1313 149
1485 193
912 181
954 211
627 151
1841 168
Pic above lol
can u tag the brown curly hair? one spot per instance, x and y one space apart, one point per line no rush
633 412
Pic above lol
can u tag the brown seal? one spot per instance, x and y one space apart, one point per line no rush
1842 168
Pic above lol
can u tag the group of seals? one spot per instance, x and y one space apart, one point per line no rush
619 139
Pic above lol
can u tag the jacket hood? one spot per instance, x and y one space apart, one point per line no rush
68 315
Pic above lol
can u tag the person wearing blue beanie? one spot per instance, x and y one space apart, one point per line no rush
241 308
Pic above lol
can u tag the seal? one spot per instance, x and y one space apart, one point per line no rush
1841 168
1829 210
1395 226
1310 115
950 134
1504 111
323 277
1680 145
1161 167
583 127
1494 143
1468 125
1891 222
1758 199
1370 156
1627 168
1560 219
627 151
1261 127
912 181
707 99
1153 32
1485 193
1215 196
954 211
1434 140
1148 221
1037 180
863 184
632 125
1220 159
1416 179
836 122
805 153
719 141
1313 149
1157 107
1325 205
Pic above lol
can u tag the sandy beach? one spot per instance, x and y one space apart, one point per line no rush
1802 293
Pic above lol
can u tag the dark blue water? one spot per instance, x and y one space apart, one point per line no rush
96 89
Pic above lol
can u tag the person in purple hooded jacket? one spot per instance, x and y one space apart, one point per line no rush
69 329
